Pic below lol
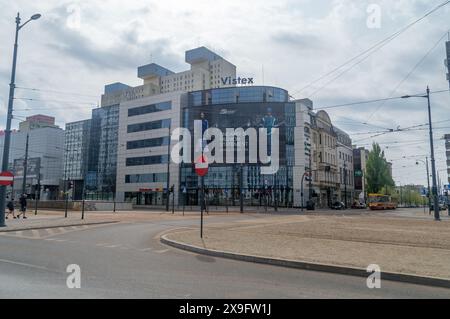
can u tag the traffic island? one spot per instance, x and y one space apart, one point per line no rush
407 250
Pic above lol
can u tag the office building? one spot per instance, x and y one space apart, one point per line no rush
76 150
45 157
346 168
207 69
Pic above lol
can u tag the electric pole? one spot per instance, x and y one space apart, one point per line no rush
25 166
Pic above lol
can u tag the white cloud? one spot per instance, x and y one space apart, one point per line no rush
295 40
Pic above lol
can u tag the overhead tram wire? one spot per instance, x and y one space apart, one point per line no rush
55 92
416 66
373 48
55 101
372 101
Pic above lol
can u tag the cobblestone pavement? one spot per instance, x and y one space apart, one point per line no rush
397 242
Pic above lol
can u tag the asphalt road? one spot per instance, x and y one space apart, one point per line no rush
126 260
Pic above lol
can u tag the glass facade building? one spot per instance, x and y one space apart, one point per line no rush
76 150
102 163
242 107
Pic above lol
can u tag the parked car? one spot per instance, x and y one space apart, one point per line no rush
338 206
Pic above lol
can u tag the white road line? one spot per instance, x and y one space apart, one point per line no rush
161 251
112 246
50 231
35 233
23 264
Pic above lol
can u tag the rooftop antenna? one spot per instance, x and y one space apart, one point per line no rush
263 80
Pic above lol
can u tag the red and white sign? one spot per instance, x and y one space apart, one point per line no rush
201 166
6 178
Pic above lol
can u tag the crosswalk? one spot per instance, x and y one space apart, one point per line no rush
53 235
43 233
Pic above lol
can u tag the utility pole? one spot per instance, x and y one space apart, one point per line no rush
276 193
25 166
241 187
433 161
345 183
37 193
310 177
168 169
9 116
429 189
437 216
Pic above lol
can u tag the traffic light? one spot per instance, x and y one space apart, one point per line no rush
70 186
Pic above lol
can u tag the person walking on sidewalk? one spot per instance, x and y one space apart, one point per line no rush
10 207
23 206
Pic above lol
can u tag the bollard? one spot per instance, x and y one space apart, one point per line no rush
67 204
82 210
35 206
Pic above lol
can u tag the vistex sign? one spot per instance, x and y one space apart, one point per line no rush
237 81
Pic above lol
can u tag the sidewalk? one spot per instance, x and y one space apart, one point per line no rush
55 218
398 245
50 221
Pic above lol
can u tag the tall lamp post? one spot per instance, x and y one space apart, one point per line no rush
428 181
7 142
433 161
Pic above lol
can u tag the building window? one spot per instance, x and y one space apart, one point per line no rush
147 160
147 126
146 178
165 106
152 142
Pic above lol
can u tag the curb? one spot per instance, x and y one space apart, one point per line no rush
57 226
349 271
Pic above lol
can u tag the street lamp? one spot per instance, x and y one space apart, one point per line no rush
433 161
428 181
7 142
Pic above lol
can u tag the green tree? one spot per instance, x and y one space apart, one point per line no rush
377 171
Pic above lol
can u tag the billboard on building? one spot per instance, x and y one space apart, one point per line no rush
246 115
33 167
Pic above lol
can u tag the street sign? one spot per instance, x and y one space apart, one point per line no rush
201 166
6 179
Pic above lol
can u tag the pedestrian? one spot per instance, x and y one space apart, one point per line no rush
23 206
10 207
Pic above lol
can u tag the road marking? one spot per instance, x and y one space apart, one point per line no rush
23 264
161 251
35 233
112 246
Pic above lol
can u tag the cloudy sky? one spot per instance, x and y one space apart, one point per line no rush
79 46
